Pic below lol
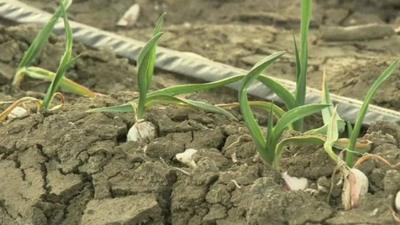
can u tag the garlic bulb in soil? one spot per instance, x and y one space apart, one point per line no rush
186 157
142 132
354 187
397 201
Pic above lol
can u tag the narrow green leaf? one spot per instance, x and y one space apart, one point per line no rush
284 94
248 116
166 99
262 105
332 136
124 108
270 148
39 41
298 140
297 57
159 24
301 84
364 109
294 115
64 63
146 62
65 83
328 111
349 128
190 88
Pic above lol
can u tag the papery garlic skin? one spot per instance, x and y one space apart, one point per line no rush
130 17
142 132
355 186
295 183
186 157
18 112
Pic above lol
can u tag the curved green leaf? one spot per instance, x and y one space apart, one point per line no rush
190 88
124 108
39 41
332 136
166 99
65 83
284 94
146 62
262 105
64 63
294 115
248 116
364 109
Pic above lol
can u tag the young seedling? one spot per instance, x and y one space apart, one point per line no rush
302 58
267 145
351 148
355 182
25 67
298 98
57 79
142 130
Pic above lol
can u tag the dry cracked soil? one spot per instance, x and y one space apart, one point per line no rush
70 167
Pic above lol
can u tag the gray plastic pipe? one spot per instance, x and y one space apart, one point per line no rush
184 63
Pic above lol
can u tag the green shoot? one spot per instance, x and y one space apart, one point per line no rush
64 63
298 99
267 146
327 112
364 109
302 58
332 135
145 63
39 42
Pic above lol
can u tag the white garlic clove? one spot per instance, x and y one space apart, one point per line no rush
18 112
130 17
142 132
397 201
355 186
295 183
186 157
